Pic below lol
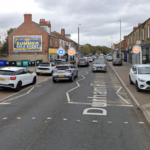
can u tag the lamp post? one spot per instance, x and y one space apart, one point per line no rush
78 39
111 44
120 39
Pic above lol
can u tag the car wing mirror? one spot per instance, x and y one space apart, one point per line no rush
135 72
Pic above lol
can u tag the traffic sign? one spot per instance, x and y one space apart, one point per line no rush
61 51
136 49
71 51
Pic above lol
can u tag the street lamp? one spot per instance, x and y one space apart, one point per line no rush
120 39
78 40
111 44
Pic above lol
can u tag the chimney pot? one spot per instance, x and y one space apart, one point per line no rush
27 18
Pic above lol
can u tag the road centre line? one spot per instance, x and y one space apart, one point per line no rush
78 85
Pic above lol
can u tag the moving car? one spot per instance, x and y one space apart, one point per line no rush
45 68
117 61
90 59
65 72
15 78
140 76
83 62
99 65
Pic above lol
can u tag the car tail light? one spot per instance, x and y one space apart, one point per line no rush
68 70
78 61
86 61
12 78
114 61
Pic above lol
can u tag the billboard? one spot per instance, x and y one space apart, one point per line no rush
26 43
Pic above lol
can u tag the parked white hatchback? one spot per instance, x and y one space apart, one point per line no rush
140 76
16 77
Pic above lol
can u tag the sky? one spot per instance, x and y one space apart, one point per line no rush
97 20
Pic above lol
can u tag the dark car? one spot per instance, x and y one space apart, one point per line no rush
117 61
83 62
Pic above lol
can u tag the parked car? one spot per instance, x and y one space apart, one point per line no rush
90 59
109 58
15 77
140 76
45 68
83 62
99 65
65 72
59 61
117 61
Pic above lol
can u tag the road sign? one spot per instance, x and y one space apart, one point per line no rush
61 51
136 49
71 52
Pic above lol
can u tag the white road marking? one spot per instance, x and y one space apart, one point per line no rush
126 122
14 98
4 118
64 119
94 121
123 99
49 118
4 103
109 121
141 122
18 118
80 103
119 89
120 105
30 90
78 85
33 117
78 120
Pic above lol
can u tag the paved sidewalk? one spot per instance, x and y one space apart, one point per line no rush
141 99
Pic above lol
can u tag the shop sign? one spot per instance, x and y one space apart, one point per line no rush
52 50
26 43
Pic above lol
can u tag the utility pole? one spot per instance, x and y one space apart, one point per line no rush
78 39
120 40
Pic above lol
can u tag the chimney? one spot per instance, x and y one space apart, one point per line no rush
139 24
134 28
27 18
63 32
42 22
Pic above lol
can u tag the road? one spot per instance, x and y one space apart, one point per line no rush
93 112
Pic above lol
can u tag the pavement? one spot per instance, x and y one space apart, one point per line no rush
141 99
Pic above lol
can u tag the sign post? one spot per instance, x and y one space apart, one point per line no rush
61 51
136 50
71 52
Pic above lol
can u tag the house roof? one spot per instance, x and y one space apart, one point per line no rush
60 36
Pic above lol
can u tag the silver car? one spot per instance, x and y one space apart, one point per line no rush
99 66
65 72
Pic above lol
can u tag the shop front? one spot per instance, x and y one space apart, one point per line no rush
146 53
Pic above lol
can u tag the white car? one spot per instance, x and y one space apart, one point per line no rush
99 65
15 77
90 59
140 76
45 68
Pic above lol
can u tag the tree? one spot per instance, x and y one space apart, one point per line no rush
4 49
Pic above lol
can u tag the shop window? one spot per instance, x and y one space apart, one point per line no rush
148 31
51 42
143 35
144 56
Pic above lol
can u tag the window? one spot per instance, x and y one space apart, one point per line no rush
51 42
56 43
148 31
131 39
128 41
143 35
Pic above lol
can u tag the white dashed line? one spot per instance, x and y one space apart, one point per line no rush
78 120
5 118
126 122
109 121
49 118
64 119
141 122
94 121
18 118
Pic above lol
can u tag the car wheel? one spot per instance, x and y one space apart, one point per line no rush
54 81
130 80
93 71
137 88
18 87
77 75
78 66
34 80
38 73
72 78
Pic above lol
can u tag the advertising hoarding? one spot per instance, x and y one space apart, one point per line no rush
26 43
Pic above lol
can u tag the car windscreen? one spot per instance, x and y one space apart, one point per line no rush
143 70
45 65
99 62
82 59
62 67
109 57
117 59
5 72
58 61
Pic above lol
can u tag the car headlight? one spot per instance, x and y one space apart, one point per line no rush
141 80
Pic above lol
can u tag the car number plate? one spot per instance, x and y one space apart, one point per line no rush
82 62
1 79
61 75
43 72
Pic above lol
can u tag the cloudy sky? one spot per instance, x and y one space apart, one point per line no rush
98 18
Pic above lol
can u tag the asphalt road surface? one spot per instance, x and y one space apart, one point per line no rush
92 113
